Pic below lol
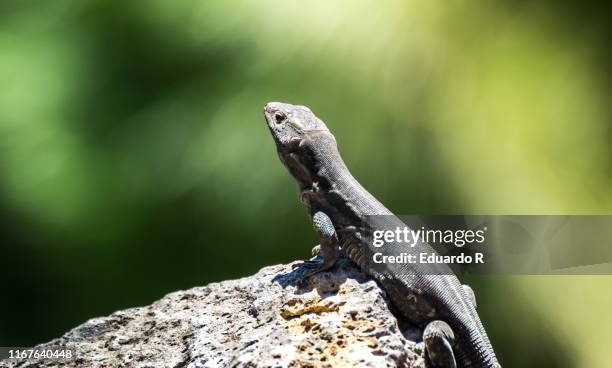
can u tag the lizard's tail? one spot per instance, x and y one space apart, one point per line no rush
478 354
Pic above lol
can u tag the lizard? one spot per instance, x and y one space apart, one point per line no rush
425 295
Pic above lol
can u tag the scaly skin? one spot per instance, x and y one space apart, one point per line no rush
429 296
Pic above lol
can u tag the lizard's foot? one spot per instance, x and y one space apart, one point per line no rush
329 249
316 250
439 339
310 264
314 266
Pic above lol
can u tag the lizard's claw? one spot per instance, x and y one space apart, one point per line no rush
308 264
316 250
313 267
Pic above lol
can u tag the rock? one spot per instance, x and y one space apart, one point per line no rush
331 319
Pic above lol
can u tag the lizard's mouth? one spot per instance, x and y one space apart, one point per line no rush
288 146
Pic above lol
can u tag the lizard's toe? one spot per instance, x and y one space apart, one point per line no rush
316 250
308 264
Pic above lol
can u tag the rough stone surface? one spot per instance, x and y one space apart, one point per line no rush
332 319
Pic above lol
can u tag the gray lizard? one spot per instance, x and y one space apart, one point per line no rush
429 295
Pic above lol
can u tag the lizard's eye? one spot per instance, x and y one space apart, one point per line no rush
279 117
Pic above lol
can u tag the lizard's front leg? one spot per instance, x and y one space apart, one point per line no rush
329 247
439 340
348 233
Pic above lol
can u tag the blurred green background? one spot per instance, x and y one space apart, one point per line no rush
135 161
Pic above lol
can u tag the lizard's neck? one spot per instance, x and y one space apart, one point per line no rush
324 174
324 164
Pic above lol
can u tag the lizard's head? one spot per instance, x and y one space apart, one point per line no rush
290 124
